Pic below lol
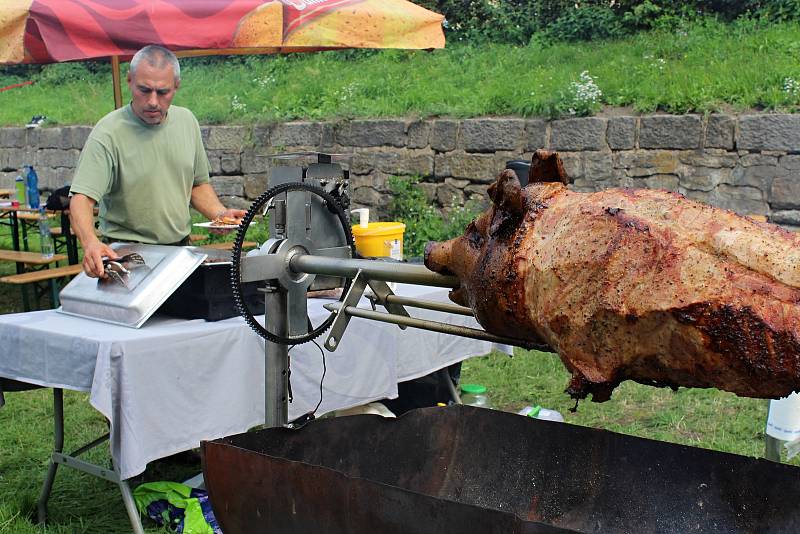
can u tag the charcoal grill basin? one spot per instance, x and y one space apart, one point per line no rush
464 469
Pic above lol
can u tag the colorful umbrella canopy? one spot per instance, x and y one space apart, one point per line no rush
50 31
47 31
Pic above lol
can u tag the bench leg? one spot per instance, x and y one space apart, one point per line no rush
26 305
53 292
24 228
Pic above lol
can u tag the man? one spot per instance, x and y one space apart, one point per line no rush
145 164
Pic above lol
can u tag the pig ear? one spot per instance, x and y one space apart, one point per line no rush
546 166
506 193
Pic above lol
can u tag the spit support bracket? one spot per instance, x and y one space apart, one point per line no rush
380 290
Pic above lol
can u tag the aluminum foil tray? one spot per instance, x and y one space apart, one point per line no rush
149 286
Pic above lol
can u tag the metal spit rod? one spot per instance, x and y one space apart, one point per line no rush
372 269
429 305
434 326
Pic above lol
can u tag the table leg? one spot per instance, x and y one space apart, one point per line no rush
444 378
130 507
70 460
58 447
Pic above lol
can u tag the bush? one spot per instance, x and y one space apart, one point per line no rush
779 10
587 24
423 221
518 21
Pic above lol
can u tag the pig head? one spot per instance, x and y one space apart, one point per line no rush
490 258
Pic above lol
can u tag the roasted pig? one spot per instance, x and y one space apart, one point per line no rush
632 284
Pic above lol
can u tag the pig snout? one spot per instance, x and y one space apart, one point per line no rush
439 257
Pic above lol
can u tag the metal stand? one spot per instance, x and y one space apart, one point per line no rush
276 360
71 460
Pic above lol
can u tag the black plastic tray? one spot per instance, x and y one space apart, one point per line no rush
207 294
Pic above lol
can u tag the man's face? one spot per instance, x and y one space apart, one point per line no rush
152 91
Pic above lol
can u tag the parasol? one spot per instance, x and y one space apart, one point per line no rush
49 31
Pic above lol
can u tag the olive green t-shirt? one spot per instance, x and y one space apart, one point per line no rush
142 175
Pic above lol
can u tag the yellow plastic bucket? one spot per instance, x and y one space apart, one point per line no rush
380 239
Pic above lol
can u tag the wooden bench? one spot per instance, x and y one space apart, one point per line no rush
51 276
35 259
43 275
33 215
229 245
29 258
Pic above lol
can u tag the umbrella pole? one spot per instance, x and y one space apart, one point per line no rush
117 80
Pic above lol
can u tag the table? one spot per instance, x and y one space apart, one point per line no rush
19 218
205 380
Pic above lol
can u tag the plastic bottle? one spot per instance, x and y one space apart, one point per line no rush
475 395
537 412
45 237
32 181
19 186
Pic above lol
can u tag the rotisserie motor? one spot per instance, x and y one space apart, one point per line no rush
632 284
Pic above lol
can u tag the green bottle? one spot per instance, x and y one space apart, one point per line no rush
19 185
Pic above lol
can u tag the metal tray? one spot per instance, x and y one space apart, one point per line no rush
207 294
149 286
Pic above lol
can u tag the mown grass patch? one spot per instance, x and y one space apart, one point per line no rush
706 418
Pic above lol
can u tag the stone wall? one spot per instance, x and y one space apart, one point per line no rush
748 163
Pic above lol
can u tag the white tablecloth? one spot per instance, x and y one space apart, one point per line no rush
172 383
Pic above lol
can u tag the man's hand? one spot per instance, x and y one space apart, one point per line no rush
93 258
231 213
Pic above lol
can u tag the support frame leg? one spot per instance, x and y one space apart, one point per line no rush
58 447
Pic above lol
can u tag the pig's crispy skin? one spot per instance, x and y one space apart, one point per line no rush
639 285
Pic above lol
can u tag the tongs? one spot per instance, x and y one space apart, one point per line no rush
118 269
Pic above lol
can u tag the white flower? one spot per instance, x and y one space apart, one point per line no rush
265 81
791 87
347 92
659 63
586 90
237 105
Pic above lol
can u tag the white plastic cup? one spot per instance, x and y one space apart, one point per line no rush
537 412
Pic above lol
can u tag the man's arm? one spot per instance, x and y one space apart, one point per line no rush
81 215
205 200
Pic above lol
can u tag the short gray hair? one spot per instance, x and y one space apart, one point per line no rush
157 56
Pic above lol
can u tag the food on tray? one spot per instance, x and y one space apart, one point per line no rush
630 284
225 221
